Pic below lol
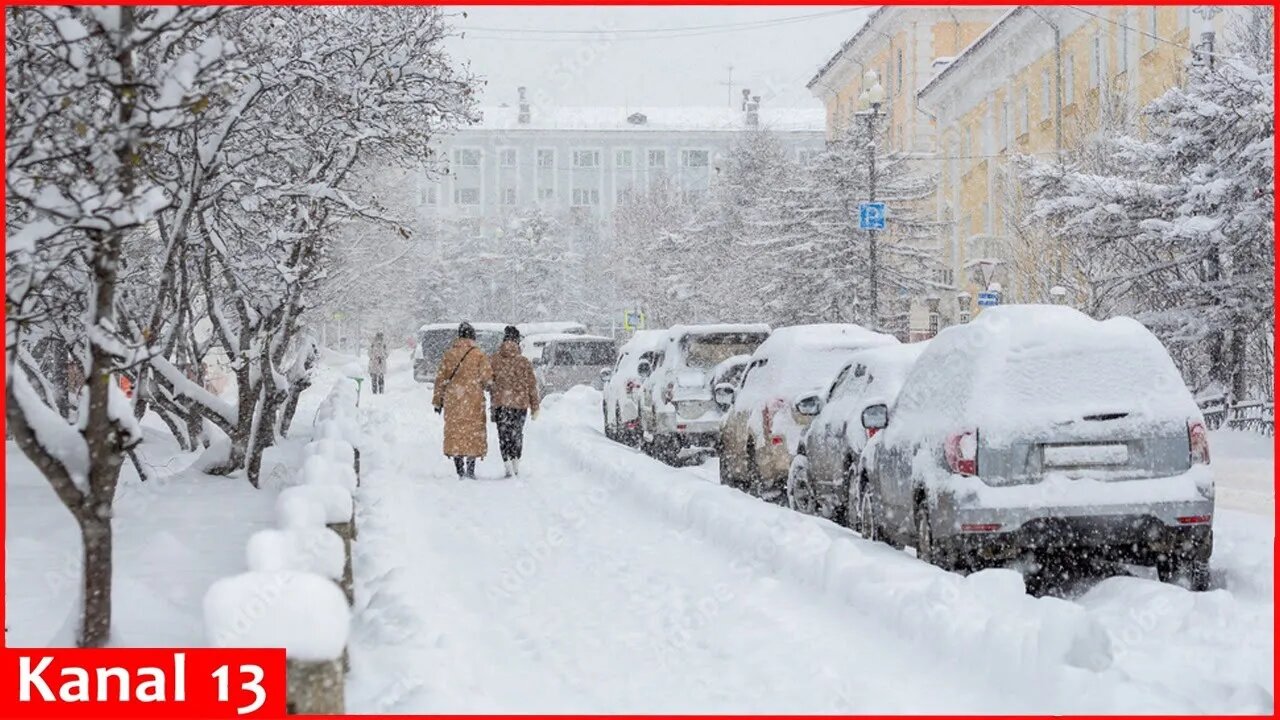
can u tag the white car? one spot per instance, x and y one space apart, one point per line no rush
678 409
621 403
779 394
818 482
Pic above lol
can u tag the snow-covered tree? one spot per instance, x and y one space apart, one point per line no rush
1181 215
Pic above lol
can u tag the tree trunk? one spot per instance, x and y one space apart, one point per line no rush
95 622
1238 357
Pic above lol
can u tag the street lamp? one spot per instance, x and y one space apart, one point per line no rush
934 320
871 98
1058 294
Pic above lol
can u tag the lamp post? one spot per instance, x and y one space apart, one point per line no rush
935 321
871 98
963 300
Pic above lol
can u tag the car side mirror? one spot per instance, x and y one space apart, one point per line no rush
605 374
809 404
724 394
644 368
875 417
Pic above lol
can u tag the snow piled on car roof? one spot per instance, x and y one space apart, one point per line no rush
1018 368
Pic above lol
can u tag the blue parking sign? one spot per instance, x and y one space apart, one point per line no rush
988 298
871 216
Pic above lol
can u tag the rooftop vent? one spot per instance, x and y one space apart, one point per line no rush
522 116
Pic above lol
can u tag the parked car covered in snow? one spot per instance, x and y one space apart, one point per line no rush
567 360
533 349
818 482
636 360
1036 430
780 392
729 373
678 408
435 338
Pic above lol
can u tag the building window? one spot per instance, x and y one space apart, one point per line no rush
1024 124
546 194
431 194
692 197
507 157
586 158
466 196
657 158
467 157
583 196
509 196
804 157
1046 95
1069 80
546 158
622 158
620 195
695 158
1154 28
933 324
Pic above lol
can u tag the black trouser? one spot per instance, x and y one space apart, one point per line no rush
466 466
510 431
379 383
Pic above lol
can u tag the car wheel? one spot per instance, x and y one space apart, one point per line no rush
928 547
800 495
867 512
753 482
1177 569
667 449
727 477
609 432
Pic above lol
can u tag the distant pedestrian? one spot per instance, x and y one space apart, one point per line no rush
461 380
514 394
378 364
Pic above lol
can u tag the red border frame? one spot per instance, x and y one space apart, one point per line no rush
630 3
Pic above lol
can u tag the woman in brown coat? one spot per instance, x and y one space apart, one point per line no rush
459 393
514 393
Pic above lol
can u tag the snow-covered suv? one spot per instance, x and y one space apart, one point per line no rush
1037 430
678 409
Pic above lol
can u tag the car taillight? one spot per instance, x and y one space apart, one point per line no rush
767 413
961 452
669 393
1199 440
871 432
632 386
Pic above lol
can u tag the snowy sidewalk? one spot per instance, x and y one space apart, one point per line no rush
550 594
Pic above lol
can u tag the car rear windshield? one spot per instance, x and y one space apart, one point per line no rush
707 351
435 342
1086 380
584 353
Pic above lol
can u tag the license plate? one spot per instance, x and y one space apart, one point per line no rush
1085 455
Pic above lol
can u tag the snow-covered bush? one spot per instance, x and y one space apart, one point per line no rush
302 612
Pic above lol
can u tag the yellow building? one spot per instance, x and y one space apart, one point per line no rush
1035 82
905 46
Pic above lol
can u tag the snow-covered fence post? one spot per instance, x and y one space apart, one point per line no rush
299 611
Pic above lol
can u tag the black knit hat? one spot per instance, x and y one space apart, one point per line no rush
466 332
511 333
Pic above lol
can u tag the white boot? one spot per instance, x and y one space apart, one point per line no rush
515 466
510 466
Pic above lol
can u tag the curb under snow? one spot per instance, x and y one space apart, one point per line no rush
985 619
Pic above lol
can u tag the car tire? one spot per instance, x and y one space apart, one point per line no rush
1178 569
609 432
753 481
929 548
800 495
727 478
868 511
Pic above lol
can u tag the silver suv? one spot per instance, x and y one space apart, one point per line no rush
1037 431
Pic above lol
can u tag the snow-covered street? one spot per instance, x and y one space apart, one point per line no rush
604 581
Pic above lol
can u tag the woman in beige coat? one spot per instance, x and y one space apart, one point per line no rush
463 376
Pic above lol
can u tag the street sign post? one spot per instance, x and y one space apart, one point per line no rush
871 216
988 298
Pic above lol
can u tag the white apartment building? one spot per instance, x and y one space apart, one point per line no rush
587 158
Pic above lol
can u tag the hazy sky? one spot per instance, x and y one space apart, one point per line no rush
651 55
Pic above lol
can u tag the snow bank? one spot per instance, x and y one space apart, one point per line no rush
309 505
990 610
318 470
315 549
339 451
303 613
